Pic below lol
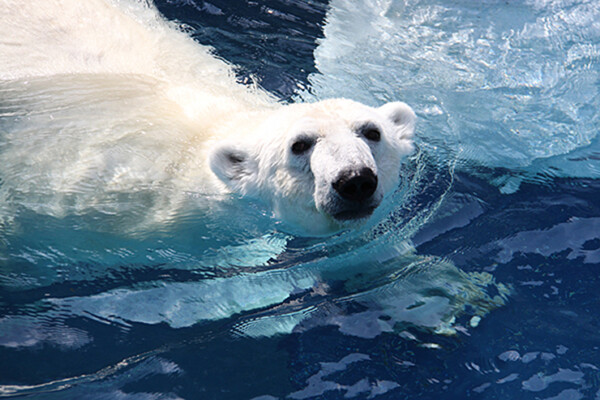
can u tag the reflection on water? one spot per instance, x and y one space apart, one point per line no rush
165 279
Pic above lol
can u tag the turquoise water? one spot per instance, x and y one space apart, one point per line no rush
478 278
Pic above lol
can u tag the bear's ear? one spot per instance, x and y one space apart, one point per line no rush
402 116
234 166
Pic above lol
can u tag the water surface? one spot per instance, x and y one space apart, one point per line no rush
477 278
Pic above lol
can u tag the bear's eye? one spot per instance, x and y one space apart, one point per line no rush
372 134
302 146
369 130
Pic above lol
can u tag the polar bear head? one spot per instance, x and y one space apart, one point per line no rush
321 167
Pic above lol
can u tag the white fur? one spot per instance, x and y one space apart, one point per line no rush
101 98
299 187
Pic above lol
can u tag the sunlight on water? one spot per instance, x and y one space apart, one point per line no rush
501 84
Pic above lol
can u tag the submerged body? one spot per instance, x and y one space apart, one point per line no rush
103 99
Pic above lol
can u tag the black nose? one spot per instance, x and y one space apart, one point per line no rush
356 185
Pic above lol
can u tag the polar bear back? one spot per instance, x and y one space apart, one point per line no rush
55 37
104 97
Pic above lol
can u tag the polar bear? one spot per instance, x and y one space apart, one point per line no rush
105 97
320 166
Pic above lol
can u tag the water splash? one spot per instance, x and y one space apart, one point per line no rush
512 85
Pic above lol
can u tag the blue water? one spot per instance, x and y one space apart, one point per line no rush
478 279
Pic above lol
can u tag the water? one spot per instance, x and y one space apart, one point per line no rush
478 279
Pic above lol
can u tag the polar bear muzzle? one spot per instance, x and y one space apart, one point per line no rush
355 187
